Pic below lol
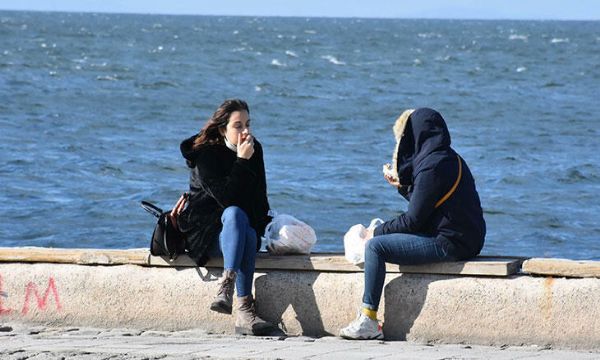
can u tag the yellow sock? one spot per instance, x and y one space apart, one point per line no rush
372 314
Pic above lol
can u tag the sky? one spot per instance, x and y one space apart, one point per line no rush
453 9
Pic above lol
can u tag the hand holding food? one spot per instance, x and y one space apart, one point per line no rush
389 176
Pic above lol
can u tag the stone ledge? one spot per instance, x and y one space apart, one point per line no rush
490 310
562 267
327 262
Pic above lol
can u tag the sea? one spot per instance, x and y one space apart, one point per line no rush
93 108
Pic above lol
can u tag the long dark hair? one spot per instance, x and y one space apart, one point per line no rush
210 134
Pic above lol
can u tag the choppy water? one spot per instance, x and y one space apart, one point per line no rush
93 107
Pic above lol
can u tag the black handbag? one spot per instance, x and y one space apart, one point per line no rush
167 240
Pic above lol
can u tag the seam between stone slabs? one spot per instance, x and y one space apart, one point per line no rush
316 352
36 344
279 349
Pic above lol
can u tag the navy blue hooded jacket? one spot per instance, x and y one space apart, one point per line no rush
428 168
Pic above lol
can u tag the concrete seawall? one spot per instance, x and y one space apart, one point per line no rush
417 306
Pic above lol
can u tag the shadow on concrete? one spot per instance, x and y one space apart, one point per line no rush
275 296
212 274
404 298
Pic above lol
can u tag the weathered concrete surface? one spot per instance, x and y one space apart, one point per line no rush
481 265
418 307
562 267
38 343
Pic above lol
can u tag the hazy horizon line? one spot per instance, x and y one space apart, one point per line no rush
297 16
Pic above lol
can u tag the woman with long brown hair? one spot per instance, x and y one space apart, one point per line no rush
226 212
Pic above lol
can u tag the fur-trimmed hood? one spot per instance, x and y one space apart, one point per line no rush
419 133
399 128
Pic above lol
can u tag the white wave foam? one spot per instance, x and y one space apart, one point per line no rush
257 88
290 53
157 50
310 32
518 37
235 32
429 35
559 40
276 62
238 49
102 64
417 62
521 69
332 59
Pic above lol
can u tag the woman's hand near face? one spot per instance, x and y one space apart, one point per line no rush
245 148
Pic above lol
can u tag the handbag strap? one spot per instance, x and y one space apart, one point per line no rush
152 209
207 190
453 188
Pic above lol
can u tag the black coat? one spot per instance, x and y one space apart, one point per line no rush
429 167
219 179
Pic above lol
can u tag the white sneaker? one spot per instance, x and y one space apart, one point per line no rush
363 328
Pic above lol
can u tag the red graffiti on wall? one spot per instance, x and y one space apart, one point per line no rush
31 289
41 302
3 310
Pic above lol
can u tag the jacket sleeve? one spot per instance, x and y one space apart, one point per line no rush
225 188
426 192
404 191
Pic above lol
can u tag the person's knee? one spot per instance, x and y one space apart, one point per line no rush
373 247
234 215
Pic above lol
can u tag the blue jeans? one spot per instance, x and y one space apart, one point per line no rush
401 249
237 246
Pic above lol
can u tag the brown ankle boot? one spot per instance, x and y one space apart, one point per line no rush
247 322
224 300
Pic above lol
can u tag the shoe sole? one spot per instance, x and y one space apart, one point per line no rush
257 332
378 337
221 308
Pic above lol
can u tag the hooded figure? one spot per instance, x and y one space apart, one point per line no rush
427 168
444 221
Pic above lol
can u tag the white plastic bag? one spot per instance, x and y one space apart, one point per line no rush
354 241
287 235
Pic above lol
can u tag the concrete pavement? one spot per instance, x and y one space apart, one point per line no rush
40 342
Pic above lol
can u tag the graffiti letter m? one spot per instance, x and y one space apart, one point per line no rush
41 301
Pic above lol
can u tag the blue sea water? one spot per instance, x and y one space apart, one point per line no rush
93 108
